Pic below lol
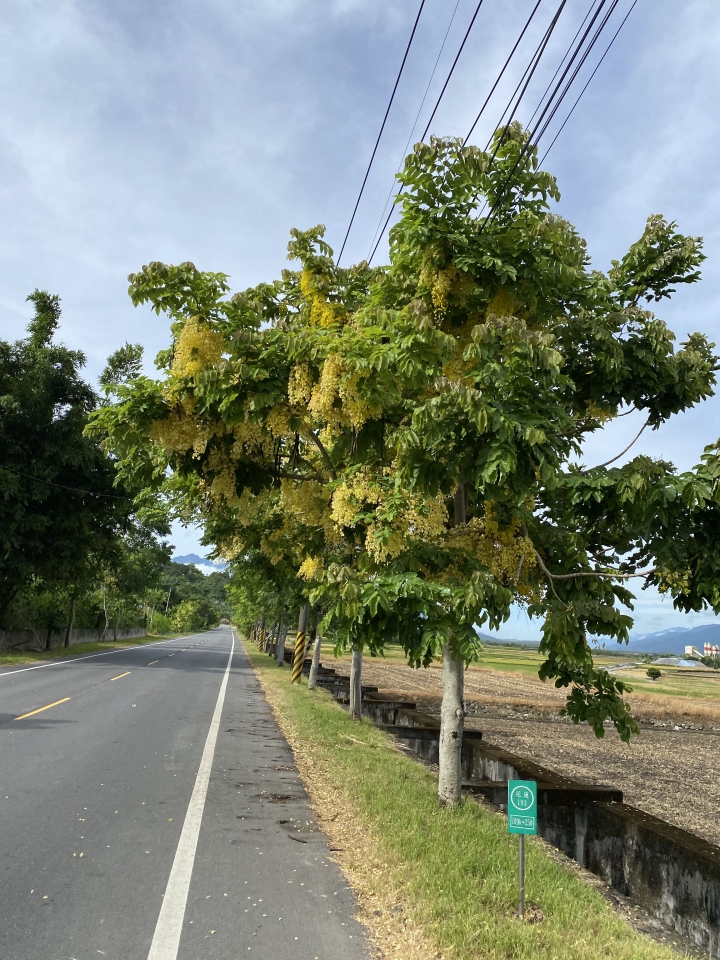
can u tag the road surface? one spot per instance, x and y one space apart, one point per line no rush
151 810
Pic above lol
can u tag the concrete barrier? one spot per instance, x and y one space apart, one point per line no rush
36 638
672 874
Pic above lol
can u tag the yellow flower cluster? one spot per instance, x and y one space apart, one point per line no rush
250 438
223 485
442 283
178 434
322 313
336 400
310 568
325 393
501 305
421 519
197 348
350 496
278 421
356 409
300 384
506 552
305 501
673 582
223 482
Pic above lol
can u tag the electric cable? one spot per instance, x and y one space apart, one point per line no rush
553 104
452 69
523 82
559 67
434 111
62 486
502 72
579 66
417 117
572 109
382 127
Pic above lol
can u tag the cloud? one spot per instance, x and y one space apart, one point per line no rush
205 129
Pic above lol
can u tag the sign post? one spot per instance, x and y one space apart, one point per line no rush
522 819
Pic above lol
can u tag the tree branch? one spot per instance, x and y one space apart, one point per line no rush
612 574
608 462
549 576
325 455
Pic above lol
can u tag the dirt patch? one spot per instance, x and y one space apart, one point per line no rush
671 773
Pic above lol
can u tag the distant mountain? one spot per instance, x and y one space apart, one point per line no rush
676 639
202 563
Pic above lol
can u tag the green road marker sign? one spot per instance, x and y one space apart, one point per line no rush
522 806
522 819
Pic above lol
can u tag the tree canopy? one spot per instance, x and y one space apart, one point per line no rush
60 511
403 439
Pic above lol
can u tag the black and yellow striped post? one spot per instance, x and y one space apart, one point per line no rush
300 642
261 635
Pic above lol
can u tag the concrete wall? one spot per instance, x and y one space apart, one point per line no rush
35 639
672 874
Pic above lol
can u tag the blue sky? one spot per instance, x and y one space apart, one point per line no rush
204 129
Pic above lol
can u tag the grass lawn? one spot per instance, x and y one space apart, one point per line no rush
456 870
14 658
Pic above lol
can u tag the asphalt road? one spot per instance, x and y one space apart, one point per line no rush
154 812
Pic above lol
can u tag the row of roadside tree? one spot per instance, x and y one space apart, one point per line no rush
77 552
399 446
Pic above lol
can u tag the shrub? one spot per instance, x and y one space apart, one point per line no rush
160 623
654 673
189 616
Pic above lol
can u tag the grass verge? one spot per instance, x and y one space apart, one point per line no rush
455 871
15 658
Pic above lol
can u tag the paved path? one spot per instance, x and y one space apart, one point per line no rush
155 813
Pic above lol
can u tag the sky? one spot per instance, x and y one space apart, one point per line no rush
204 130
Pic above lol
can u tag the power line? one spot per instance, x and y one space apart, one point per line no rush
434 111
452 69
523 82
554 102
559 67
531 67
382 127
62 486
417 117
572 109
502 72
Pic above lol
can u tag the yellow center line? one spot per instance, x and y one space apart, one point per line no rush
40 710
120 676
152 662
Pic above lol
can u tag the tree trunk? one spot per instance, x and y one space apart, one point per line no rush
300 644
280 647
451 729
70 622
107 618
273 639
452 714
47 638
315 665
117 623
356 685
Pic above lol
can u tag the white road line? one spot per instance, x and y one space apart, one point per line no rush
166 941
61 663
